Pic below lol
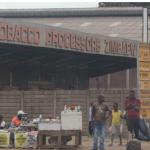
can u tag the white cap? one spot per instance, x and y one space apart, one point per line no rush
20 112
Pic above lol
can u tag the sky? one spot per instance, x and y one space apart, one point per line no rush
26 4
15 4
48 5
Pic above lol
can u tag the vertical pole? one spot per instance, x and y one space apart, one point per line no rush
87 108
145 25
145 40
55 103
10 82
138 71
22 100
108 81
121 100
127 79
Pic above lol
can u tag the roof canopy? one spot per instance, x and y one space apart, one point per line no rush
24 44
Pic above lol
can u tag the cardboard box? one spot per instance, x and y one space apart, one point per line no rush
145 84
144 66
145 55
144 75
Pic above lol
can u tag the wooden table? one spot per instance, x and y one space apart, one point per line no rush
59 137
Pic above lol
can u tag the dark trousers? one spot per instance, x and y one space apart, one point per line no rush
133 126
91 126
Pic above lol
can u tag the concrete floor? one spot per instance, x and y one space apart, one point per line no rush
87 145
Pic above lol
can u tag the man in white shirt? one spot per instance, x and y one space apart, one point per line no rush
90 119
2 122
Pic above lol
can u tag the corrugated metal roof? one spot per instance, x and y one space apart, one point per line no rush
124 27
120 22
72 12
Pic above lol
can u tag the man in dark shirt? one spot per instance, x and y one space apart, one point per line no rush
100 114
132 106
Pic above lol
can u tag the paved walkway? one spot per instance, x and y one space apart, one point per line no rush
87 145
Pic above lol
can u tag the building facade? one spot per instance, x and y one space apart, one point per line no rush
123 22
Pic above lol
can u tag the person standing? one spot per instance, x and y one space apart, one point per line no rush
132 107
2 122
90 119
116 124
100 113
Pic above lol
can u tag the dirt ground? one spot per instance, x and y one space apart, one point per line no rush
87 145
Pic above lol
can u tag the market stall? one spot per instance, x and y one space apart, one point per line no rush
64 133
46 132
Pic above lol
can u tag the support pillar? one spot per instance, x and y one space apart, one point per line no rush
145 25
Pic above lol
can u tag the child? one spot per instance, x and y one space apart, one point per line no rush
116 124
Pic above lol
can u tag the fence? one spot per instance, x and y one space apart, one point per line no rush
52 102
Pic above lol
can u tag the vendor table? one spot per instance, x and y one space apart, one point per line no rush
29 127
60 137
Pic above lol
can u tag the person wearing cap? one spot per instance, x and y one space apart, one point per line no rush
100 113
16 120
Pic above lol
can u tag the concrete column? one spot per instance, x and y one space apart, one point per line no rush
145 25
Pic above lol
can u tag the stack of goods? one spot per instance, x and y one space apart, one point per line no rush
32 139
72 108
25 139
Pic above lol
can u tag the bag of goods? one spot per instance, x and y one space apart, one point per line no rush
4 139
32 139
134 145
20 139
